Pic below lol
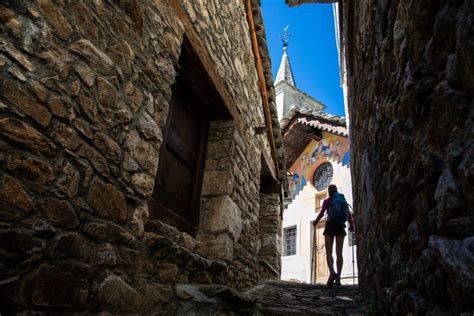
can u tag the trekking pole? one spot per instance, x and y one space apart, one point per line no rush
353 262
352 243
312 256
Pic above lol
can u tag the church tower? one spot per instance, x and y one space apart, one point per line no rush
284 80
287 94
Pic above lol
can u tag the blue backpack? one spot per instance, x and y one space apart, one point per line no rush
338 209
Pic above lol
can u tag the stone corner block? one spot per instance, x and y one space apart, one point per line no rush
221 214
220 247
218 183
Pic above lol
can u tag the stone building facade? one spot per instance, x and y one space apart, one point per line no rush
410 77
86 89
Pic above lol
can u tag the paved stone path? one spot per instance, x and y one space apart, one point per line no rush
271 298
283 298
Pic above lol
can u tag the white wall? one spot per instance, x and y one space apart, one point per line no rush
279 103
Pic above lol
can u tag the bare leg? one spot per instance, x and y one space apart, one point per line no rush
339 260
329 240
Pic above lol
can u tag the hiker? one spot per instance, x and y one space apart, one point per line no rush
338 213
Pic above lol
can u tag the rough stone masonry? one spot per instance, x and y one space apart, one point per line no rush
411 85
85 88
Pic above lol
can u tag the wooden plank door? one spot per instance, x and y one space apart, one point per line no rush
322 271
179 176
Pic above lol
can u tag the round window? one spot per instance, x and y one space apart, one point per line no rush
323 176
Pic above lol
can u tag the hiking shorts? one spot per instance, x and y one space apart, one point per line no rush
333 229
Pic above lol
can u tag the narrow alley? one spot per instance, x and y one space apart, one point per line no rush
151 163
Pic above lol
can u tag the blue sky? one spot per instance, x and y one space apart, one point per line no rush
312 49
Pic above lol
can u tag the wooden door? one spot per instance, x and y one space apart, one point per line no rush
179 177
322 271
195 102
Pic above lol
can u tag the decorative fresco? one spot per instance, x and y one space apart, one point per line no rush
331 148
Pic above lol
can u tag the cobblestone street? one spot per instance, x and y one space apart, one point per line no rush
271 298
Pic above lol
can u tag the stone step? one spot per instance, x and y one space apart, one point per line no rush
166 241
287 298
270 298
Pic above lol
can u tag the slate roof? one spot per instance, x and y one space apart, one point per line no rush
301 124
285 73
317 119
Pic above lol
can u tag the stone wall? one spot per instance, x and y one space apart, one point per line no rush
84 98
230 206
411 84
270 231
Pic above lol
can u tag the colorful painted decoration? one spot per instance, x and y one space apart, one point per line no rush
331 148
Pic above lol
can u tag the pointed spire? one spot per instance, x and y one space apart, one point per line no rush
284 71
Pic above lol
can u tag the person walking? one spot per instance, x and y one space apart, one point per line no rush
338 213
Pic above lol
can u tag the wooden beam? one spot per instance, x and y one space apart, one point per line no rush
207 63
266 167
261 79
271 188
270 268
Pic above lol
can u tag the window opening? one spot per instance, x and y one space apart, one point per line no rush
289 238
323 176
319 199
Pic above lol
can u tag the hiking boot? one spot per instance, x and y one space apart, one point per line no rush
331 279
338 281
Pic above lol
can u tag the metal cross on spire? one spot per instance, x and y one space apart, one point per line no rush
285 37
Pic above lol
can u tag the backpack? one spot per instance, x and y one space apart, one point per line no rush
338 209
